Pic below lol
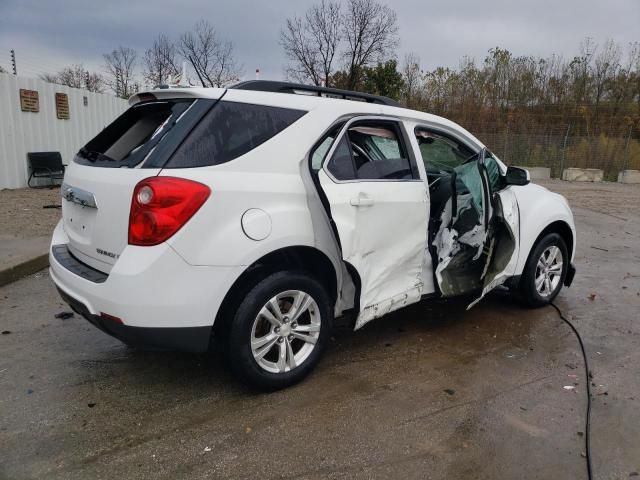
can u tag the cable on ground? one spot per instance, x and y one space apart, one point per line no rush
587 429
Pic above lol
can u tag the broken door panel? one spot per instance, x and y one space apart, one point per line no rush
460 240
382 228
505 243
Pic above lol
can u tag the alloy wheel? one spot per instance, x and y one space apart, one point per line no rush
548 271
285 331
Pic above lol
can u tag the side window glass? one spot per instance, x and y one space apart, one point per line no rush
493 172
469 183
230 130
440 153
341 164
378 152
320 152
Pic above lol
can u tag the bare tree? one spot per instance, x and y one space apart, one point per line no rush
371 31
301 52
94 82
634 72
579 69
120 69
49 77
311 43
606 64
160 61
211 58
72 76
324 25
76 76
412 76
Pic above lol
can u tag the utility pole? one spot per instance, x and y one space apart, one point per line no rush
564 149
118 90
13 62
626 151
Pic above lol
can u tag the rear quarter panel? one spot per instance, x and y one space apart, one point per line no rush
214 236
268 178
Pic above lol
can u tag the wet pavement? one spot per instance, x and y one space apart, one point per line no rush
431 391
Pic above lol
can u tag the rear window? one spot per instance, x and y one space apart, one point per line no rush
230 130
146 130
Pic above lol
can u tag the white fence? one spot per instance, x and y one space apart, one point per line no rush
22 132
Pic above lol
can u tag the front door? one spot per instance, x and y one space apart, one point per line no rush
380 209
504 227
474 224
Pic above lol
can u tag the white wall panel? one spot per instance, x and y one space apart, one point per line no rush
22 132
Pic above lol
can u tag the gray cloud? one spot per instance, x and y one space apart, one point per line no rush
50 34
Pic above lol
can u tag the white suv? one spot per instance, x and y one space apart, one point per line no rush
254 215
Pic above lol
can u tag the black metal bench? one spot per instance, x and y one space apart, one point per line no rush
45 165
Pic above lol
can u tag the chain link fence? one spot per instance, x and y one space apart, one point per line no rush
557 147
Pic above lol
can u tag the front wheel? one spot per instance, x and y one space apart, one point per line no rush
279 331
545 271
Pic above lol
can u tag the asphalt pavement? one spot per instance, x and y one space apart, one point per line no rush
431 391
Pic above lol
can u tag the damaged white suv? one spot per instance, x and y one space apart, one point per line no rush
254 215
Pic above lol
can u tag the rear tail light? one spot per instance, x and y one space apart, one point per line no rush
161 206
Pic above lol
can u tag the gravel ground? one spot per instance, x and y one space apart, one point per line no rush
22 215
605 197
430 391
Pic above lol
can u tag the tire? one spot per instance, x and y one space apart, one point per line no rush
280 357
538 294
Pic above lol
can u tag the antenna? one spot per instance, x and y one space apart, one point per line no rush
183 76
197 71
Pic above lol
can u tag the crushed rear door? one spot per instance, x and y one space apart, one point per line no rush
381 223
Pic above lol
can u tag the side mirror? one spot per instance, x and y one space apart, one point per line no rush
517 176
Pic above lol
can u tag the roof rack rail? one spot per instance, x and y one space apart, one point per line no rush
312 90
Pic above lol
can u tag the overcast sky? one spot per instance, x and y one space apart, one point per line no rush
48 35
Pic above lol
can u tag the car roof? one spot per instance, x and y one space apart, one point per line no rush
337 106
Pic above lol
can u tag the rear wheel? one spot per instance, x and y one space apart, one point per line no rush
279 331
545 271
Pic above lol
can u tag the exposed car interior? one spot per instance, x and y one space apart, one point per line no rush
371 150
461 238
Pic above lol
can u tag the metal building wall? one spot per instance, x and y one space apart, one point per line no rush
22 132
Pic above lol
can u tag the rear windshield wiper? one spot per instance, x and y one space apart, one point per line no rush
93 155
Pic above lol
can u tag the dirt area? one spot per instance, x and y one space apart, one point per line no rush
430 391
604 197
22 213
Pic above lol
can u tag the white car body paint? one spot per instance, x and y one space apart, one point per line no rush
256 224
149 287
540 208
385 248
183 281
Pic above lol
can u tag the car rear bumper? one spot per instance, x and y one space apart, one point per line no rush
186 339
161 300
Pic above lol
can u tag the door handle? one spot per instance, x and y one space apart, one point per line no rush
362 200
